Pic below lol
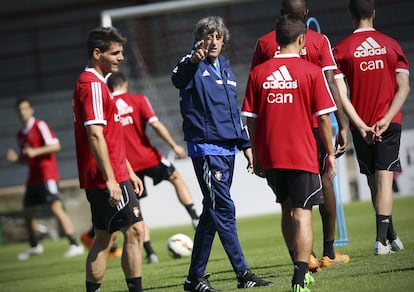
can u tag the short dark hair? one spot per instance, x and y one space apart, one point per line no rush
21 100
115 79
288 28
102 37
361 9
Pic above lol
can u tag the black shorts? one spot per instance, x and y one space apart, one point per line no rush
106 217
379 156
304 189
158 173
41 194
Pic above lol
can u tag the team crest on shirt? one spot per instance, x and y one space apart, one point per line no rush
303 52
218 175
136 211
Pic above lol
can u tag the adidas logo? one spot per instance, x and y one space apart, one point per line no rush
280 79
123 107
123 112
249 284
369 47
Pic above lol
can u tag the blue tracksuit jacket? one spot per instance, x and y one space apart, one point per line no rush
209 103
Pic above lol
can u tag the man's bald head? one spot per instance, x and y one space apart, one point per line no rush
294 7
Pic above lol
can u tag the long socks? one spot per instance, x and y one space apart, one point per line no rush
383 223
134 284
301 268
191 211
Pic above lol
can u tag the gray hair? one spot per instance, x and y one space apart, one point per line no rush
208 25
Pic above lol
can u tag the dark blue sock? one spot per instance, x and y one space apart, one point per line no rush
93 287
134 284
299 273
383 222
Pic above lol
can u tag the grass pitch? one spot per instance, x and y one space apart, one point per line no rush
264 249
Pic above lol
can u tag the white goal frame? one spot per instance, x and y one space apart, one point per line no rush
107 16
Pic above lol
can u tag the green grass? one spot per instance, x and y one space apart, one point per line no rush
264 249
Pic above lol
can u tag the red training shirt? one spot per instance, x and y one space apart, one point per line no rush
283 94
370 60
44 167
136 112
317 50
93 104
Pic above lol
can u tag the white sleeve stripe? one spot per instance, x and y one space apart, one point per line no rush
97 100
46 134
248 114
152 119
325 111
401 70
339 75
326 68
94 122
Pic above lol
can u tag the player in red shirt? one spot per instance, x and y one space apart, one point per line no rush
38 144
287 88
376 70
136 113
317 50
110 184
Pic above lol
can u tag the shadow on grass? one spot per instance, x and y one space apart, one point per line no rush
268 276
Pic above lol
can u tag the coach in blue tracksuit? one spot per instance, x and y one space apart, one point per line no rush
214 132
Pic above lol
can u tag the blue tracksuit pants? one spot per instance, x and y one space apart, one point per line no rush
215 175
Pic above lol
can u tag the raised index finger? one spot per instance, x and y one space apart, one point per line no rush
199 45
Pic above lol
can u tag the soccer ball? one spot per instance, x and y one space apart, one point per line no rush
179 245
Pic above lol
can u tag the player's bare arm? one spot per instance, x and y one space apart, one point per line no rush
342 137
12 156
255 167
248 154
135 180
403 89
366 132
47 149
164 134
100 152
325 131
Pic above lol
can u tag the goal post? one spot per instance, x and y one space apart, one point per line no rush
107 16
